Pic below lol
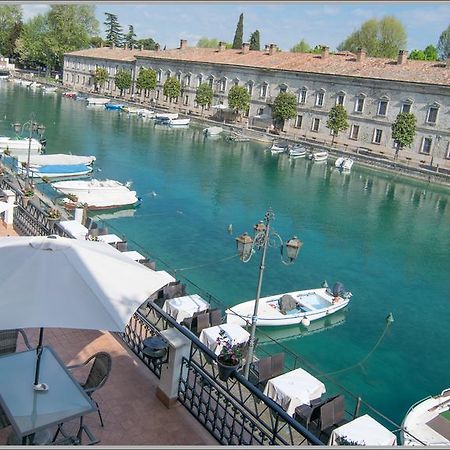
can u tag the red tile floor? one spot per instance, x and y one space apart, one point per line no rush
131 411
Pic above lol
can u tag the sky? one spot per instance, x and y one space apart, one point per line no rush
281 23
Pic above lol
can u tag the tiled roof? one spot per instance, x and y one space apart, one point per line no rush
345 64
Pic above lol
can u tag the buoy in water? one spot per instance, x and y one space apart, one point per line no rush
305 322
230 228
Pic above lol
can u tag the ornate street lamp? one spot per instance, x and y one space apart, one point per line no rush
247 246
33 127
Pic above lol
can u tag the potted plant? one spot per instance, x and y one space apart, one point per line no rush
230 356
27 193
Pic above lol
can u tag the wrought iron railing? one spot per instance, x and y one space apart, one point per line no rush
235 412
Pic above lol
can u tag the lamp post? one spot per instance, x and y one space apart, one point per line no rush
247 246
33 127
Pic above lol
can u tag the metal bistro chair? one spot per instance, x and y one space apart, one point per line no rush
98 375
331 415
215 317
9 339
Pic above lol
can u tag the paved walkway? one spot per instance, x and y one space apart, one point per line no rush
6 230
131 411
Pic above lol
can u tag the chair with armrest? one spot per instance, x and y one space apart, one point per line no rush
215 317
202 322
277 364
262 371
9 339
98 375
122 246
331 415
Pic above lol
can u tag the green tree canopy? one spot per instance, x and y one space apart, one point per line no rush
172 88
123 80
239 99
429 54
100 77
96 41
129 38
285 106
418 55
204 42
443 46
114 33
204 95
146 79
404 130
10 27
380 38
238 35
337 120
147 43
301 47
255 41
64 28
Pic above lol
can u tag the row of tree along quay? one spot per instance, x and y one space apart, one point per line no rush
40 42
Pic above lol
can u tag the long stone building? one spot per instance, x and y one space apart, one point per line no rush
372 90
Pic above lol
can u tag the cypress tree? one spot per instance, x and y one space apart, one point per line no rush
238 35
113 30
254 41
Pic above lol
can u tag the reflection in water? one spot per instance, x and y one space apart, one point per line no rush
281 334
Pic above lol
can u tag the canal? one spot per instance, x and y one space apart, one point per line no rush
385 237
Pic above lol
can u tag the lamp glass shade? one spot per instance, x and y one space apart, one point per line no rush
41 129
260 227
293 247
17 127
244 244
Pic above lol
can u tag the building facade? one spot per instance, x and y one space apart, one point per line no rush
372 90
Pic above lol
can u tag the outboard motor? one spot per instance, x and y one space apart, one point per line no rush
338 289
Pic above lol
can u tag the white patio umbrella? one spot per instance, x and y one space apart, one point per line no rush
58 282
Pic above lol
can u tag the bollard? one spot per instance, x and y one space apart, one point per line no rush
9 213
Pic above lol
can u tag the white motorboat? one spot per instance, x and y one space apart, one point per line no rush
298 151
428 422
291 308
347 164
212 131
26 83
35 85
97 100
318 156
176 122
19 146
278 148
97 194
166 116
147 113
49 89
57 171
132 109
344 163
56 159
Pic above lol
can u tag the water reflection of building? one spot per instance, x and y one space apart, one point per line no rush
373 90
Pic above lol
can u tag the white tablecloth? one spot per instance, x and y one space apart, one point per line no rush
294 388
110 238
181 308
364 430
74 228
133 254
236 333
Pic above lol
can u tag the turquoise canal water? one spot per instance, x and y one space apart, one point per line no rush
385 237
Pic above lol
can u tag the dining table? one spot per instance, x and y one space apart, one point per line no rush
294 388
235 333
181 308
31 411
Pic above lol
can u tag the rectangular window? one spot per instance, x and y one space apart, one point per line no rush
263 91
211 82
250 89
186 100
199 81
260 112
78 78
187 80
319 98
298 122
340 99
302 97
377 136
448 151
406 108
382 108
107 84
223 85
84 80
67 77
157 95
426 145
359 105
315 125
354 132
236 83
432 115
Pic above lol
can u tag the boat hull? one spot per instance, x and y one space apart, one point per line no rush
419 416
269 315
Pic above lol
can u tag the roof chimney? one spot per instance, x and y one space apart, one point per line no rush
157 47
183 44
325 51
266 47
222 46
113 46
245 47
360 55
101 44
272 49
142 48
402 57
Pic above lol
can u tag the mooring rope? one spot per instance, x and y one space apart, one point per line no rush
207 264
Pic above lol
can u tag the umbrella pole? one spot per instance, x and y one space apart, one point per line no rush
39 386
